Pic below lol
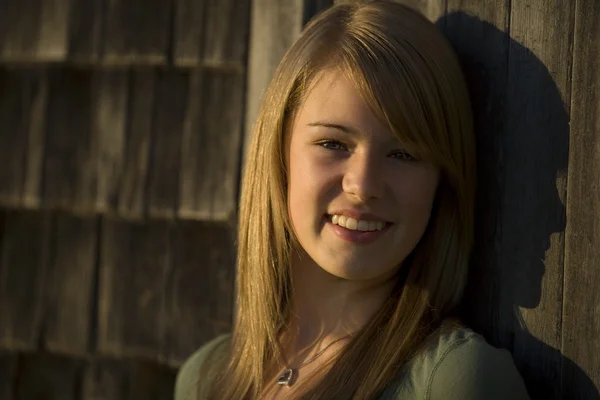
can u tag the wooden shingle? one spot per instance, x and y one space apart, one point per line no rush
137 31
70 154
581 322
85 31
133 264
109 123
273 28
199 295
536 146
131 201
211 32
170 104
112 379
211 145
24 249
34 30
105 379
70 285
22 114
47 376
8 374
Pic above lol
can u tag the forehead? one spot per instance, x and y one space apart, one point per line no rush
333 98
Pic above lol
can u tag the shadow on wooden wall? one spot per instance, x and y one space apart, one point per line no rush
523 136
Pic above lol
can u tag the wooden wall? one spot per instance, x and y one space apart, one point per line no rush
122 129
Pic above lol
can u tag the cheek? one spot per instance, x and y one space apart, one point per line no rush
416 195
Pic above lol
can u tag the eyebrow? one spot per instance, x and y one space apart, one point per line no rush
339 127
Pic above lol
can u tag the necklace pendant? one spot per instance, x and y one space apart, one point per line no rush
285 379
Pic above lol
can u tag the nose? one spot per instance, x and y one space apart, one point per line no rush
363 178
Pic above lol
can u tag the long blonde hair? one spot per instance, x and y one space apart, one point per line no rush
410 77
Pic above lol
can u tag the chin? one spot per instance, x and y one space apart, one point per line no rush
354 272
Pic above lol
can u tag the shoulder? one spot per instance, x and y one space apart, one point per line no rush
462 365
189 383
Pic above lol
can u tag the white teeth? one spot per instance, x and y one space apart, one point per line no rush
364 225
353 224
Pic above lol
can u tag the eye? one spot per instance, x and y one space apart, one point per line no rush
403 155
332 144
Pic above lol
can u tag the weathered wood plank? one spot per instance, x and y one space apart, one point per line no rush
86 19
225 36
536 157
109 379
70 156
211 145
314 7
133 265
199 296
22 272
105 379
274 26
581 324
22 107
482 46
170 104
8 375
151 381
109 121
211 32
137 31
34 30
132 193
70 285
48 377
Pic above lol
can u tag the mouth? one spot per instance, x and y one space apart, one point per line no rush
357 231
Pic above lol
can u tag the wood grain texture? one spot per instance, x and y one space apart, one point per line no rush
580 339
70 285
24 250
110 379
211 33
536 157
48 377
70 176
34 30
85 31
482 45
133 265
274 26
105 379
8 374
137 31
314 7
170 104
199 296
211 146
109 121
22 114
131 201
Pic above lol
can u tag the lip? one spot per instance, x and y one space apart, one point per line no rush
358 215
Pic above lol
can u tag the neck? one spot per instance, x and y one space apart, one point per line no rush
326 307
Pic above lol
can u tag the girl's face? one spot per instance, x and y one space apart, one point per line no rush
358 201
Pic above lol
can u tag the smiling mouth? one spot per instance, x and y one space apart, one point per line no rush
356 225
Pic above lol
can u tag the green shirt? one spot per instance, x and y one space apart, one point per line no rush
459 365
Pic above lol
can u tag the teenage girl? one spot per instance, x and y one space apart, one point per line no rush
356 226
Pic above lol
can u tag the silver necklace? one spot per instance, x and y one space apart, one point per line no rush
286 378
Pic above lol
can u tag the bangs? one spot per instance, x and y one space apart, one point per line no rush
399 87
